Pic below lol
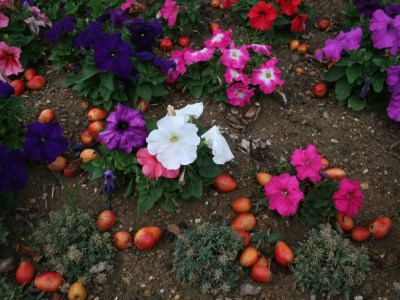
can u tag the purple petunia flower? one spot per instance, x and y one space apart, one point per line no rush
367 7
118 18
393 80
165 65
59 29
44 142
144 33
112 53
104 18
385 31
12 169
364 90
6 90
88 36
109 182
27 3
392 10
393 109
126 129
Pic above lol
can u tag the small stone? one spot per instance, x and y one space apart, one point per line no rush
32 201
358 297
162 291
365 171
313 297
234 111
364 186
197 221
151 277
147 293
177 297
251 112
143 285
248 289
334 141
396 286
77 122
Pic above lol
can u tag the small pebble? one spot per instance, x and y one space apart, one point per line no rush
177 297
365 171
197 221
335 141
162 291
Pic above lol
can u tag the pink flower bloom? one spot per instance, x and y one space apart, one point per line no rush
220 39
239 94
152 168
232 75
4 20
178 56
7 4
348 198
39 16
235 57
308 163
192 56
9 60
284 194
170 12
259 48
127 4
267 76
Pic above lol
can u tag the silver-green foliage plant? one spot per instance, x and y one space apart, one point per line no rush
328 264
73 245
205 258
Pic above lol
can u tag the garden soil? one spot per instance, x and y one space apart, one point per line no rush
366 144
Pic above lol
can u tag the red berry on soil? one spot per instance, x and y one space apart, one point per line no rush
96 127
49 282
88 138
324 24
58 165
244 235
29 73
106 220
225 183
166 45
147 237
244 221
73 169
184 41
47 115
241 205
345 222
36 83
261 274
214 26
249 257
379 228
122 240
283 253
320 90
19 87
360 234
96 114
25 273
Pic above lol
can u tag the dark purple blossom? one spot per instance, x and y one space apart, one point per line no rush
6 90
393 80
118 18
367 7
364 90
112 53
60 29
44 142
393 109
144 33
392 10
12 169
126 129
165 65
109 182
104 17
385 31
27 3
88 36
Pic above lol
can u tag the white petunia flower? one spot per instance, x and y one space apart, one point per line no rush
191 110
220 148
174 142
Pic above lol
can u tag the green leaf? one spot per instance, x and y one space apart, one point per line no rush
144 91
343 89
334 73
321 202
129 188
160 91
275 237
356 103
379 61
196 91
378 82
87 72
167 204
148 197
354 72
107 80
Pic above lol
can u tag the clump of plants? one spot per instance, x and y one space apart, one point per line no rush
3 233
75 247
328 264
205 257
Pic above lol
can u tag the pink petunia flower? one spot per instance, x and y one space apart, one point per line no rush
348 198
9 60
259 48
178 56
170 12
192 56
284 194
220 39
232 75
152 168
7 4
127 4
307 163
385 31
393 109
267 76
4 20
38 15
239 94
235 57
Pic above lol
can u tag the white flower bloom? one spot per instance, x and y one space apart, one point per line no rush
174 142
220 148
191 110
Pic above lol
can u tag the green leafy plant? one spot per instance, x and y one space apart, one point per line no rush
12 115
205 258
328 264
14 292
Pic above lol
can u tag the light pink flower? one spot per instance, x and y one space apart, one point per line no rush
308 163
39 16
7 4
239 94
235 57
4 20
192 56
267 76
348 198
127 4
232 75
170 12
259 48
152 168
9 60
284 194
178 56
220 39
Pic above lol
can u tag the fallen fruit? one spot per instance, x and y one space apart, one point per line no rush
106 220
325 163
96 114
245 236
77 291
46 115
360 234
29 73
142 105
25 273
320 90
122 239
323 25
244 221
302 49
294 44
73 169
58 165
147 237
215 3
225 183
88 155
49 282
248 257
88 138
380 227
283 254
345 222
19 87
36 83
96 126
241 205
262 261
166 45
184 41
335 173
261 274
263 178
214 26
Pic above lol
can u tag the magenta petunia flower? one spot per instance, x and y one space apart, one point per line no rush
393 80
239 94
385 31
9 60
127 4
259 48
348 198
152 168
232 75
393 109
284 194
4 20
178 56
307 163
342 42
170 12
235 57
192 56
267 76
220 39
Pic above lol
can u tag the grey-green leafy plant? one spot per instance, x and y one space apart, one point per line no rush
205 258
328 264
73 245
14 292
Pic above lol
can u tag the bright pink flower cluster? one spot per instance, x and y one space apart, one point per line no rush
152 168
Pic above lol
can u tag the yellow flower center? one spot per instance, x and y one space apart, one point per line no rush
174 139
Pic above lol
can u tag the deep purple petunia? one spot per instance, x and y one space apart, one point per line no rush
12 169
44 142
393 109
364 90
367 7
59 29
109 182
104 17
112 53
6 90
27 3
126 129
118 18
392 10
88 36
144 33
385 31
165 65
393 80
